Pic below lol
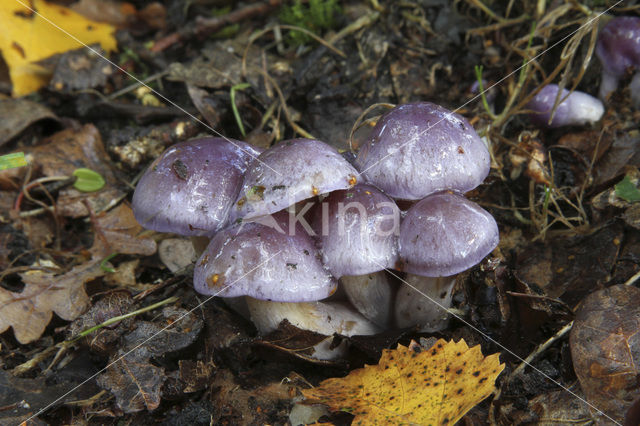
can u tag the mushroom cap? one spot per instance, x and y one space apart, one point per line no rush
357 231
191 187
444 234
289 172
270 260
618 45
577 109
420 148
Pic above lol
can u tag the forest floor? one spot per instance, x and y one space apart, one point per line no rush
70 260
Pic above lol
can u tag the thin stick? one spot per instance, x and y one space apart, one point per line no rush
541 348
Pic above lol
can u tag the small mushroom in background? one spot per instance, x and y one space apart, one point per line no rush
440 236
190 189
421 148
289 172
618 49
576 109
272 261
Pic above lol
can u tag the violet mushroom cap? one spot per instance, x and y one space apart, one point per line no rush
578 108
272 260
445 234
440 236
421 148
618 49
357 231
289 172
191 187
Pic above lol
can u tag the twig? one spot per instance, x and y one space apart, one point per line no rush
206 26
541 348
64 345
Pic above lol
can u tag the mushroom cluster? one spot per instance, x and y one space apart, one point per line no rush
289 223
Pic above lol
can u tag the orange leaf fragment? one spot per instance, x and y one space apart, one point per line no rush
434 386
28 37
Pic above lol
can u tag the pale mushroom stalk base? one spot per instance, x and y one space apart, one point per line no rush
321 317
424 302
372 296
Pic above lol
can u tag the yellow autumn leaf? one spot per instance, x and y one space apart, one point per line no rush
28 37
411 385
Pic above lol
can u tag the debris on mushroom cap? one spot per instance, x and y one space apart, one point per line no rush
372 295
415 302
578 108
291 171
321 317
357 231
192 186
272 260
618 48
444 234
421 148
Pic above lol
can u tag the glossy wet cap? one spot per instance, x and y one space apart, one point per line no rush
357 231
421 148
445 234
191 187
289 172
578 108
267 260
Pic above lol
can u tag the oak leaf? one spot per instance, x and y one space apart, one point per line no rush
413 385
28 312
33 30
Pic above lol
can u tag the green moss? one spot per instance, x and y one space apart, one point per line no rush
316 16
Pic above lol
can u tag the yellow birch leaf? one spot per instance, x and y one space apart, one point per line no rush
411 385
28 37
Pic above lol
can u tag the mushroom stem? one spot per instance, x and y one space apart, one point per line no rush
634 87
372 296
608 84
321 317
415 302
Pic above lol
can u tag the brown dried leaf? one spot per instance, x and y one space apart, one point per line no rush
605 348
29 311
134 381
119 232
18 114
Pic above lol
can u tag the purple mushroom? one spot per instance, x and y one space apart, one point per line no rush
421 148
578 108
618 48
440 236
289 172
191 187
273 260
357 231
